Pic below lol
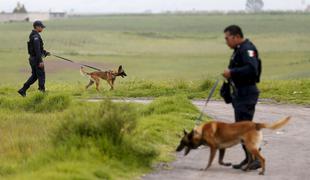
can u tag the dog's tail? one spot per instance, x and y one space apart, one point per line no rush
273 126
83 73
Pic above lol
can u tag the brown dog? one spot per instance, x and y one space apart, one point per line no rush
109 76
220 135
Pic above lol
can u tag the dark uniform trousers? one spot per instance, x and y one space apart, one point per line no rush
37 73
244 100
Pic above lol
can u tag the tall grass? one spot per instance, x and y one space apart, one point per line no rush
283 91
89 140
38 102
105 127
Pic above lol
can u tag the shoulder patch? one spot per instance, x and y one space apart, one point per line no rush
251 53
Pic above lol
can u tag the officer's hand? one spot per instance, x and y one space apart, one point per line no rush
47 53
226 73
41 65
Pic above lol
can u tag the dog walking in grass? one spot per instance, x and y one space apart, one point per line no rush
220 135
109 76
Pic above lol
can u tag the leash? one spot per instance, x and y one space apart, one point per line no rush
85 65
199 119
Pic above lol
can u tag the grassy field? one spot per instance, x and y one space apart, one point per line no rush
161 47
160 52
109 141
170 57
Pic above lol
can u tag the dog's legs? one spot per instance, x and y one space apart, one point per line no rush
258 155
221 157
97 84
255 153
91 82
250 160
111 84
212 155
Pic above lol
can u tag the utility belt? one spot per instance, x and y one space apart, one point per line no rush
33 60
244 83
245 91
231 90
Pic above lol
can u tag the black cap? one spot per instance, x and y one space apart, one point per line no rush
38 23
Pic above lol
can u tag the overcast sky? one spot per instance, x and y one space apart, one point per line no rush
108 6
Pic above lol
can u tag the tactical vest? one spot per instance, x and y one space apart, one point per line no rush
30 44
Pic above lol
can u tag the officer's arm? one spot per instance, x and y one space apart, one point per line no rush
36 43
249 58
46 53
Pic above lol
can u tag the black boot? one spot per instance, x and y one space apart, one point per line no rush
22 92
242 163
255 165
41 90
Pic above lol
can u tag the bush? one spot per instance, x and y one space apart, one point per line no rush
107 127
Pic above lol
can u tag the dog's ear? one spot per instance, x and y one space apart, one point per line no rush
185 132
190 135
120 68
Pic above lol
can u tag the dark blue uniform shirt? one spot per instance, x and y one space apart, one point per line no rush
37 50
244 64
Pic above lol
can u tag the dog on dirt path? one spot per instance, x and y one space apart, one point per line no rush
220 135
109 76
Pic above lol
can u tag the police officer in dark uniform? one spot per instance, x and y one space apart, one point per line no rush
36 52
243 72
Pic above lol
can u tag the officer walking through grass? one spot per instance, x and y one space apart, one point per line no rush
243 72
36 53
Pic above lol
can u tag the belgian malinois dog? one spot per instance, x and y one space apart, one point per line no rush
109 76
221 135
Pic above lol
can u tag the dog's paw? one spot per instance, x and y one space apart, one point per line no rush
261 173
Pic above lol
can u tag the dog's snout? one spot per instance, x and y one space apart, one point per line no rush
179 148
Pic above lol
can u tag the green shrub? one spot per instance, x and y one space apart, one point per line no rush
108 127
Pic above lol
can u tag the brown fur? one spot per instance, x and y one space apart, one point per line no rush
220 135
109 76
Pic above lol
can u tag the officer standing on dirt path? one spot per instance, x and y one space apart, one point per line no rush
244 72
36 52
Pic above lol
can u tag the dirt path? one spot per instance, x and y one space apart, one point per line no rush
286 151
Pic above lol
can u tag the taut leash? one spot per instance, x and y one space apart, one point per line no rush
198 120
76 62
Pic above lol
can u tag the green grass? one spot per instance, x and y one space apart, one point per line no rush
282 91
170 57
161 47
162 54
110 140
